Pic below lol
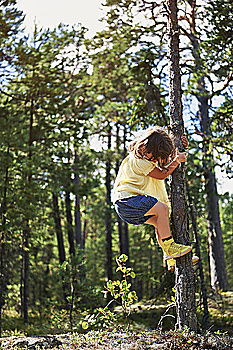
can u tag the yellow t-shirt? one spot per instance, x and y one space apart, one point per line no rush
132 180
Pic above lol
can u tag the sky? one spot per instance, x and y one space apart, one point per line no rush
49 13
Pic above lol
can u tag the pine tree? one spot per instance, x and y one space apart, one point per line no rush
204 68
10 29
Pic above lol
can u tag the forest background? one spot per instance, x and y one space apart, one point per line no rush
69 105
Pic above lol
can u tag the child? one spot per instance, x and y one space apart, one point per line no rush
139 192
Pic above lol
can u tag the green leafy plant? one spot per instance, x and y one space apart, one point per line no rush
121 294
120 290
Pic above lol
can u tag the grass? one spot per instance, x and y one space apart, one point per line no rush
145 315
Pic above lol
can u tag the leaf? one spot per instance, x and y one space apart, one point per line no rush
123 258
84 325
132 274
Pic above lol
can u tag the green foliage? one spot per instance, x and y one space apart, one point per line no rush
60 96
226 217
219 36
121 293
121 289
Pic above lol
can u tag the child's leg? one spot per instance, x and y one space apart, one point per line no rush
160 220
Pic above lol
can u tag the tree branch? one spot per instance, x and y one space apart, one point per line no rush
225 85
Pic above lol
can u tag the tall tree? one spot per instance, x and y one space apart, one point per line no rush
10 28
203 71
185 283
108 211
34 94
193 217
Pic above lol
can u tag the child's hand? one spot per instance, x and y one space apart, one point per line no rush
185 141
180 157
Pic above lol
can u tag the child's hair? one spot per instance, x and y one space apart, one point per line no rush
153 140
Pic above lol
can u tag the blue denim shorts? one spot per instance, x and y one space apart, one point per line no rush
132 209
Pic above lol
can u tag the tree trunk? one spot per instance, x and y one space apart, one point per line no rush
85 232
2 277
185 282
192 211
3 252
26 226
58 229
123 230
25 272
78 234
78 226
218 273
108 214
69 221
60 244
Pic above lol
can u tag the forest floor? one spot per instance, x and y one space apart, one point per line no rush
112 340
150 324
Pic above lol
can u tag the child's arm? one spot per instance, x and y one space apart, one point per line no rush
161 174
180 157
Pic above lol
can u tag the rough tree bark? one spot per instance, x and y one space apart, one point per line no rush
185 282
